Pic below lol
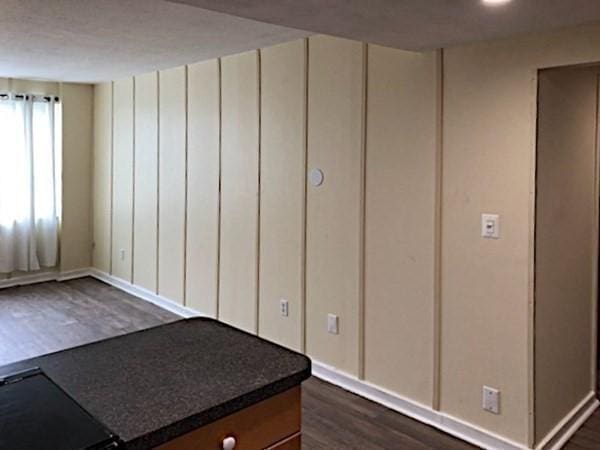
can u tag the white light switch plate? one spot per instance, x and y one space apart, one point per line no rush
332 324
491 400
490 226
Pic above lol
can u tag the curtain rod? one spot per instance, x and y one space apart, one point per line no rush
28 96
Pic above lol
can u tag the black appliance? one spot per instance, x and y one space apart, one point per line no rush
36 414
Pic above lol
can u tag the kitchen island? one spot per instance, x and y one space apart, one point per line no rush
191 384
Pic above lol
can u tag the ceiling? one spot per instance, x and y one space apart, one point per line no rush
412 24
99 40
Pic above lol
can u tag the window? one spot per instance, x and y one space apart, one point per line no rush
29 138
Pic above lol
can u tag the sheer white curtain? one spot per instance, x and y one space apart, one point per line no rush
28 194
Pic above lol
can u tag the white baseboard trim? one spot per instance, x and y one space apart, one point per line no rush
73 274
145 294
23 280
41 277
383 397
448 424
568 426
124 285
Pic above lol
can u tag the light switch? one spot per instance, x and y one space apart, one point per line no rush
490 226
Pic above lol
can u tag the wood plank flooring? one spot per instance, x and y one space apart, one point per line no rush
588 436
47 317
336 419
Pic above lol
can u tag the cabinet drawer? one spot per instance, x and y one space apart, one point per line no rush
259 426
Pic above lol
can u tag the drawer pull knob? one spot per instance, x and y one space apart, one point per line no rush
229 443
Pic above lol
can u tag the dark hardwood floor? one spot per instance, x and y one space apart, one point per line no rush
588 436
47 317
336 419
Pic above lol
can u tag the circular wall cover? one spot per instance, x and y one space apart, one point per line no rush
315 177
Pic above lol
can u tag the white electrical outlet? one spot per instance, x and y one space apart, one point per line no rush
284 307
122 254
491 400
332 324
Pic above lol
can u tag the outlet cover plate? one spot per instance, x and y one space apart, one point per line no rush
284 307
491 400
332 324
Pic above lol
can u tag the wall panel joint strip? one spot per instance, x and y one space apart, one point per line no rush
437 282
362 214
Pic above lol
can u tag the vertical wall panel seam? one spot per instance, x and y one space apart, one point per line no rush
304 203
594 300
92 190
531 426
185 181
437 264
131 250
157 268
362 213
218 272
112 170
259 104
93 177
59 250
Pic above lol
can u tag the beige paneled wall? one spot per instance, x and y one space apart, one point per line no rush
282 192
122 209
77 139
428 310
253 235
239 191
102 185
487 170
336 82
402 147
145 186
489 131
203 137
172 156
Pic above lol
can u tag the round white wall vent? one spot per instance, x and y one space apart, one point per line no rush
315 177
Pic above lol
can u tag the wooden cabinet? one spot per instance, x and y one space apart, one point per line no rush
273 424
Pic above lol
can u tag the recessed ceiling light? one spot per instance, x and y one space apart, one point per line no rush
495 2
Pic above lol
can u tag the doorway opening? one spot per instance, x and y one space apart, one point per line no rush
566 244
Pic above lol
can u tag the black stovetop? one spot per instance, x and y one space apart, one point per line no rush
36 414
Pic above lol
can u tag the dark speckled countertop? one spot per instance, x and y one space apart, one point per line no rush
151 386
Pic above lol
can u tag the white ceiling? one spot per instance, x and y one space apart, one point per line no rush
99 40
412 24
